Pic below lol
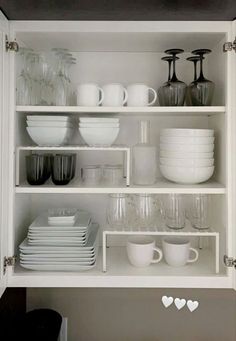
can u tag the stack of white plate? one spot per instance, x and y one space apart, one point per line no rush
47 130
187 155
99 131
60 247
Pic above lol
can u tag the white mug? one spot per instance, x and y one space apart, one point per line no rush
115 95
138 95
89 95
140 250
177 251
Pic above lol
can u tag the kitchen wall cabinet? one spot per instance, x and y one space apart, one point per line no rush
123 52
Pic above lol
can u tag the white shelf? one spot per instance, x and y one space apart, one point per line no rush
210 110
121 148
161 187
121 274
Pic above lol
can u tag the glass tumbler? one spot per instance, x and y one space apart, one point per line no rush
91 175
118 211
62 169
37 171
113 175
174 211
199 211
147 210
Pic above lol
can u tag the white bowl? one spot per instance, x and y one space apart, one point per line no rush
187 162
49 136
47 118
99 120
99 125
99 136
59 124
197 148
186 140
185 155
187 175
187 132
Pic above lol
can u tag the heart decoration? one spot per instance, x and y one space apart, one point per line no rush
167 301
192 305
180 303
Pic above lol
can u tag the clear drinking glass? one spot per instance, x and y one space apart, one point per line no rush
118 211
62 169
199 211
174 211
37 169
113 175
164 90
147 210
91 175
202 89
23 83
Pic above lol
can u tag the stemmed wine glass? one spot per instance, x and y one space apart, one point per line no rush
194 60
202 89
163 91
174 91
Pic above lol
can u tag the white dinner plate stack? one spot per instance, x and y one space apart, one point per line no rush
55 242
99 131
187 155
47 130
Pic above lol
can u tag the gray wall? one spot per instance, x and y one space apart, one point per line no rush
138 314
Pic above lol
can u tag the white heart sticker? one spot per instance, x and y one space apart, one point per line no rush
180 303
192 305
167 301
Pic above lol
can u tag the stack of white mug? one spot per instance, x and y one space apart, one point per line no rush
115 95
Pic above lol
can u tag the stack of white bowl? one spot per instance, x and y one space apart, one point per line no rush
187 155
47 130
99 131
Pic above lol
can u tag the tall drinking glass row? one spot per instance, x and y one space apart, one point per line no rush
44 77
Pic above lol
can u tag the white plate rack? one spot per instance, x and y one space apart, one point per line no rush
162 230
115 148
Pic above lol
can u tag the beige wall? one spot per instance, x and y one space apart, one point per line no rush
138 314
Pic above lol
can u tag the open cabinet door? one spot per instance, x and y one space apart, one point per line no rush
4 93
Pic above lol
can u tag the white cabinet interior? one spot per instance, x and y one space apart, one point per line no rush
127 53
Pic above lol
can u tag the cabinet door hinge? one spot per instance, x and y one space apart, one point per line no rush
11 45
229 46
230 262
8 261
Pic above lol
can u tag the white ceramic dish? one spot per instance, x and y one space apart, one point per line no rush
57 261
185 155
99 120
196 148
57 256
55 124
99 136
57 267
99 125
186 140
187 132
187 162
48 118
49 136
187 175
64 213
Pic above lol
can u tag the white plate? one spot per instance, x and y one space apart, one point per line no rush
193 148
61 258
56 234
89 246
187 139
72 261
58 267
63 213
82 222
99 120
47 118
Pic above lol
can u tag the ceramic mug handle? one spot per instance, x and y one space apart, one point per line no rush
155 96
102 95
157 260
125 96
194 259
